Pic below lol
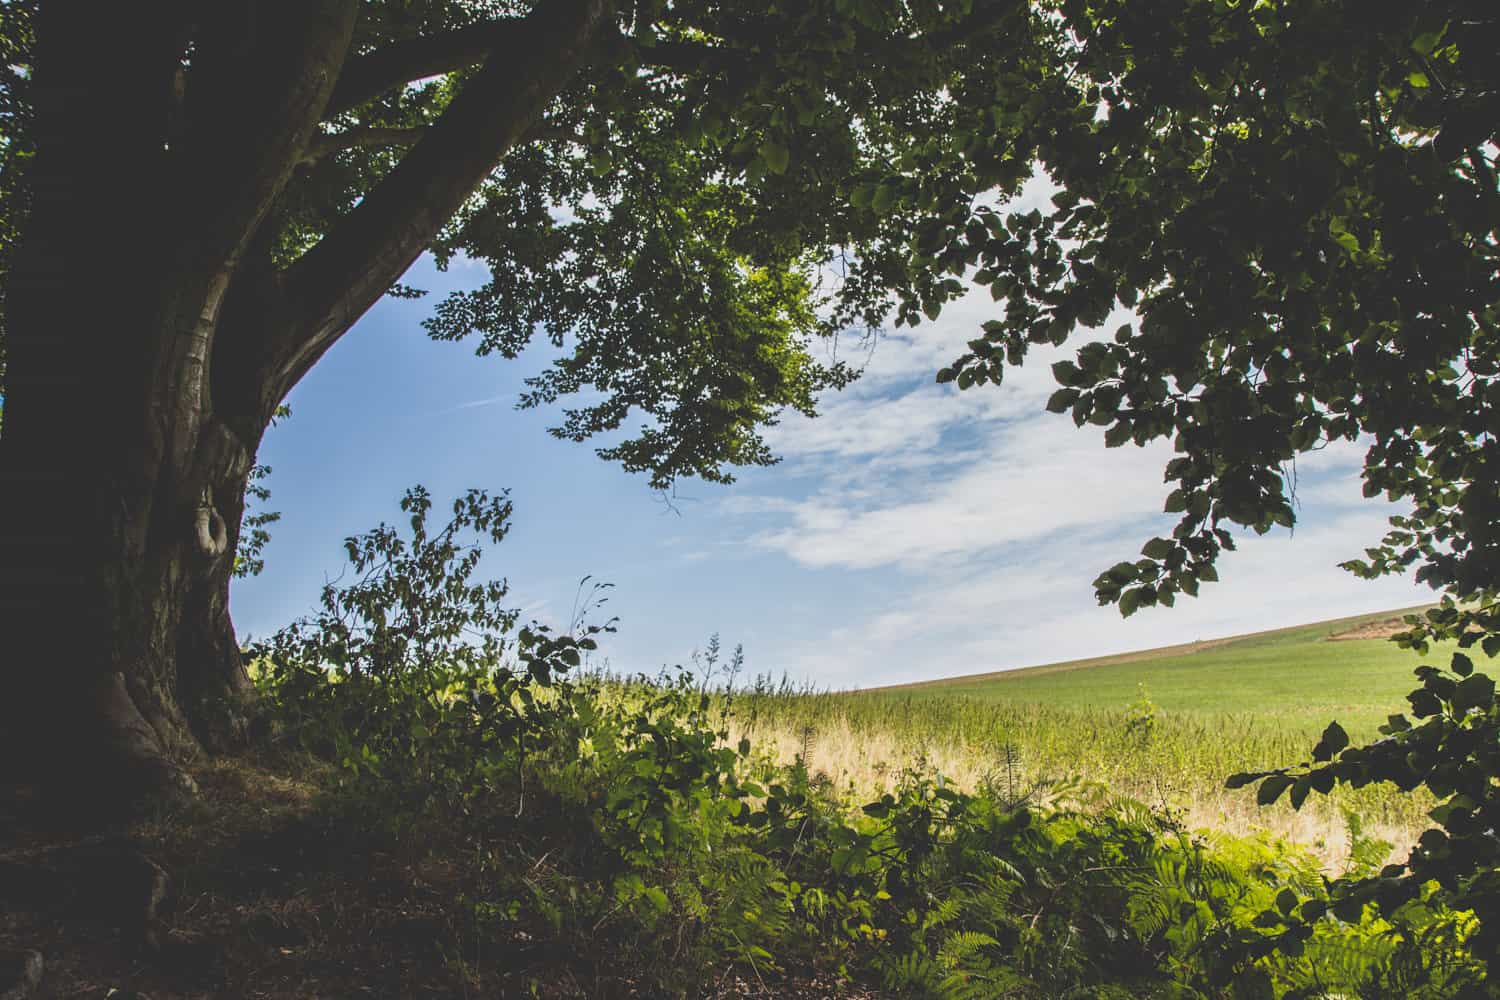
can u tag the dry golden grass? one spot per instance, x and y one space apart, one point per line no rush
1164 726
863 762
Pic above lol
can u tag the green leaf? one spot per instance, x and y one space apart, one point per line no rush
1267 919
1424 704
1299 791
1270 790
1424 43
1334 739
777 156
1158 548
1475 691
1061 400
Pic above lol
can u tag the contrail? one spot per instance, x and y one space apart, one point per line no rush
472 404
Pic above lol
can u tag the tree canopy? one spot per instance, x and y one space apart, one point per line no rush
677 217
1299 202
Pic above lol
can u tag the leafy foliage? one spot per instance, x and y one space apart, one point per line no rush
1140 719
255 532
646 837
406 676
16 143
689 218
674 229
1450 745
1300 225
1299 202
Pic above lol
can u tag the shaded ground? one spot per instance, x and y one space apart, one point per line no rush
253 891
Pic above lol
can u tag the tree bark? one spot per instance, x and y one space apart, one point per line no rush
119 657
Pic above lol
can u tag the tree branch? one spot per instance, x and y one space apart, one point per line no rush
328 144
367 76
333 284
689 57
261 76
700 57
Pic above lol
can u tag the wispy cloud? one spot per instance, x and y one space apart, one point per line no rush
989 518
1032 484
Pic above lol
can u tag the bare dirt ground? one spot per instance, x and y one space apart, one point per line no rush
1383 629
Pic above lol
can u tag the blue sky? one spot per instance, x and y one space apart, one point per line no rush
912 531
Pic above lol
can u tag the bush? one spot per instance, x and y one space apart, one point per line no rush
409 677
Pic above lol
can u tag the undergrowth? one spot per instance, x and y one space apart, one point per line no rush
615 817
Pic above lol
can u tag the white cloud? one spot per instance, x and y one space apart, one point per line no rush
1029 483
988 519
1038 607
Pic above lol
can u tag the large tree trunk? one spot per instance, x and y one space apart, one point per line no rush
117 531
121 659
150 337
121 486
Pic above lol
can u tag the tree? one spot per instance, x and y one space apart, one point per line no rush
208 196
1299 201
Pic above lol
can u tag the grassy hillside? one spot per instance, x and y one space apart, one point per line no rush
1303 676
1212 708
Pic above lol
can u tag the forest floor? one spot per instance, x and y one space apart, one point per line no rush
253 890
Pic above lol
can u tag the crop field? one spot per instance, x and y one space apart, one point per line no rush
1163 726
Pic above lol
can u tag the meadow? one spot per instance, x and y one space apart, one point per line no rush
1162 726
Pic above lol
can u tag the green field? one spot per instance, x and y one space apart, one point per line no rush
1210 709
1297 675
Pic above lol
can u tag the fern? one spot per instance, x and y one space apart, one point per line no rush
989 982
962 945
911 973
1366 854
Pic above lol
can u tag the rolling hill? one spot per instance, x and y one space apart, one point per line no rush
1305 675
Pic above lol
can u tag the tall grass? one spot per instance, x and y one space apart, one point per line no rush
1176 760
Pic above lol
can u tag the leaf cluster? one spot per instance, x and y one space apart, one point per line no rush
17 42
714 200
1298 202
1449 743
